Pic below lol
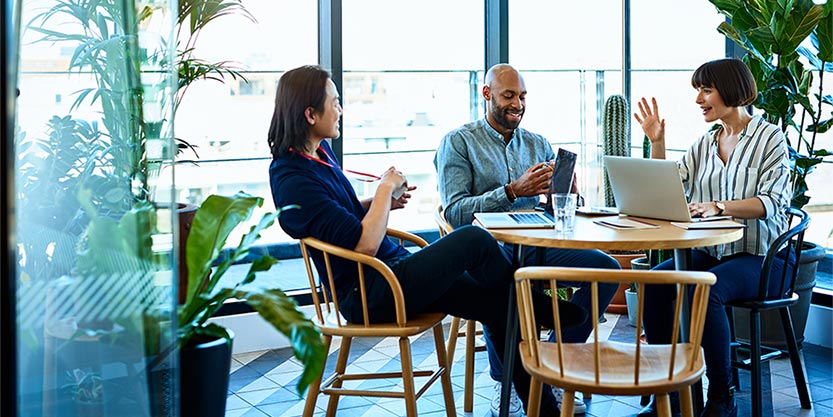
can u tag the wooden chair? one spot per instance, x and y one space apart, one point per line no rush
788 243
469 333
610 367
333 324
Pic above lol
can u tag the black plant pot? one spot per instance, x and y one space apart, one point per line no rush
204 375
772 334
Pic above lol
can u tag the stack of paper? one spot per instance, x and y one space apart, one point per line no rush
625 223
717 224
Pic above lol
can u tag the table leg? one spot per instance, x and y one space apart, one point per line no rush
682 262
510 345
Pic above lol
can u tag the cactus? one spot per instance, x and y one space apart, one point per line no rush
617 134
646 147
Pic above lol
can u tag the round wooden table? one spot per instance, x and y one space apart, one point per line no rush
590 235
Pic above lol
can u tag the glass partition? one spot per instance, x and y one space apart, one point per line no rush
93 294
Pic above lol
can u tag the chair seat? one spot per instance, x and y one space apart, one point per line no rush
617 365
755 304
416 324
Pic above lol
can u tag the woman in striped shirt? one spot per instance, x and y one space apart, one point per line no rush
740 169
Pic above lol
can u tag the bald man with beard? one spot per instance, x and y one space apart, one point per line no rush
492 165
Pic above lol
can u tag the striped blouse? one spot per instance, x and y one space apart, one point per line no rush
758 167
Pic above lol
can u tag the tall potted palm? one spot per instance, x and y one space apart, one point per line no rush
776 35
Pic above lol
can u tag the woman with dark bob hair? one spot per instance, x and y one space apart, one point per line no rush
464 274
740 169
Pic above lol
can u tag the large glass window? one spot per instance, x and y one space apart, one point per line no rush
227 121
669 41
569 67
409 78
571 56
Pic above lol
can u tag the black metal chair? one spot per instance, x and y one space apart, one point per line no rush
784 247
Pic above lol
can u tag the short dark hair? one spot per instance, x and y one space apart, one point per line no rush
732 79
298 89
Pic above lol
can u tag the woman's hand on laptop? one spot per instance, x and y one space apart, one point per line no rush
703 209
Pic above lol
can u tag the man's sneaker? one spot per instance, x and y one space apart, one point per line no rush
515 406
578 403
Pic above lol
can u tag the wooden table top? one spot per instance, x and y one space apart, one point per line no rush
589 235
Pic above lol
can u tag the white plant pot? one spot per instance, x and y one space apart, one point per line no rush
632 299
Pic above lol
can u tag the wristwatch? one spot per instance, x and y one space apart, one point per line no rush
720 208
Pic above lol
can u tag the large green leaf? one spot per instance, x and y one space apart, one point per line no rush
824 37
282 313
727 7
240 253
822 127
742 40
797 25
213 222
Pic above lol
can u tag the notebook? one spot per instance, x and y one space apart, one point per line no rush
515 220
647 188
718 224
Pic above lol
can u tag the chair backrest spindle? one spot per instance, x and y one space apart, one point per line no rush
791 242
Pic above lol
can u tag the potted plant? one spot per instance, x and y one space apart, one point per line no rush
632 300
132 82
204 347
86 388
775 39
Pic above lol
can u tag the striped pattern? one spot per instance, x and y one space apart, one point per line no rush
758 167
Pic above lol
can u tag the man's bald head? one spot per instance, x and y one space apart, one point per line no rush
497 71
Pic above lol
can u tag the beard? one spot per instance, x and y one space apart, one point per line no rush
499 114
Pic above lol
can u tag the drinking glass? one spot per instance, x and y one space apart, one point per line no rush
564 211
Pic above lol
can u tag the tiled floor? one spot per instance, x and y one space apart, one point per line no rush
263 383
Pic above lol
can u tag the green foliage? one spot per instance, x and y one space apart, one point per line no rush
213 222
616 134
193 17
84 386
105 37
773 33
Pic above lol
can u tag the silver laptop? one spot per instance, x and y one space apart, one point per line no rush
515 220
647 188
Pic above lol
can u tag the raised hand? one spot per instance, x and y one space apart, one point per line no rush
652 125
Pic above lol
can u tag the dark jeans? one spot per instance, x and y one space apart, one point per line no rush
581 298
738 277
465 274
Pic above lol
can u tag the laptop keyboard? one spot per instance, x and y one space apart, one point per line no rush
529 218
